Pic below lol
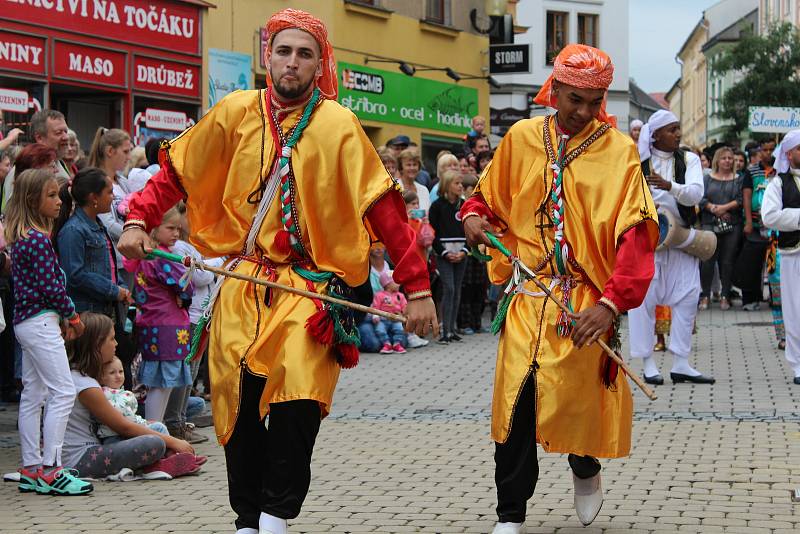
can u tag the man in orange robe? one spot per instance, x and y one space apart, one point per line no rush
284 183
567 193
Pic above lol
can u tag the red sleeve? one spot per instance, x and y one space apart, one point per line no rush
388 220
161 192
477 204
633 271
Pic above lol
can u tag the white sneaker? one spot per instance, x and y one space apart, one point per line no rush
247 531
509 528
752 306
415 342
588 498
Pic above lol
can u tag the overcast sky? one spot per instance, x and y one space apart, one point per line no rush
658 30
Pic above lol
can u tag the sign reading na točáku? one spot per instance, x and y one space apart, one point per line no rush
384 96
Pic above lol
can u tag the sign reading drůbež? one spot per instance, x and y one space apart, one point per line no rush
384 96
773 119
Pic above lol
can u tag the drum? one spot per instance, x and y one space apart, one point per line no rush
672 234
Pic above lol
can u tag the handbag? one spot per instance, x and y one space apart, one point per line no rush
721 226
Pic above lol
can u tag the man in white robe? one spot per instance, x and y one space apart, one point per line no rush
780 210
675 178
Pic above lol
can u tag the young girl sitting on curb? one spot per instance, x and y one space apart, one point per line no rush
141 448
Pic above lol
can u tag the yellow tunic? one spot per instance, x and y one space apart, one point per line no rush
605 195
339 176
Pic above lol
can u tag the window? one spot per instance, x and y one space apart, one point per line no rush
587 29
438 11
556 34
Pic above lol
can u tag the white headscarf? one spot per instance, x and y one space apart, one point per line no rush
659 119
791 140
634 123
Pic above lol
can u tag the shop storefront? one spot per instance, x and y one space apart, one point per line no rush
383 100
131 64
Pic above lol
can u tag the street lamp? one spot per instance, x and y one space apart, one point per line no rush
494 10
453 75
404 67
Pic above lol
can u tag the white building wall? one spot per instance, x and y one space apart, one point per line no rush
613 39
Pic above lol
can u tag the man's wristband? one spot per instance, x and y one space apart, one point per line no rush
421 294
609 305
134 223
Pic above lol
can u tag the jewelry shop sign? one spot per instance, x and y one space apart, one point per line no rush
773 119
384 96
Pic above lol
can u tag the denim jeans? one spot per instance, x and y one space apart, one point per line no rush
391 332
369 339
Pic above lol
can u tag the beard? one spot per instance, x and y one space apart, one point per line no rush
290 93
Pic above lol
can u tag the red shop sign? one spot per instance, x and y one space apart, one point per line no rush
89 64
156 23
22 53
166 77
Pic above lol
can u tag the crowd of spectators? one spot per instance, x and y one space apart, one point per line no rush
72 350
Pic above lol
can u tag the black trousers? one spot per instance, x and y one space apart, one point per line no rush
269 469
516 464
749 269
725 257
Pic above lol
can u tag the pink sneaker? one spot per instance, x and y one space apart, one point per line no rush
398 348
387 348
176 465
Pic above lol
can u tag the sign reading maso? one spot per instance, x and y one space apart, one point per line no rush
384 96
773 119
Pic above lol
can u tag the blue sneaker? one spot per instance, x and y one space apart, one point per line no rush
28 480
63 481
468 331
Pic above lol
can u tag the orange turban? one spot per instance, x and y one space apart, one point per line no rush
580 66
300 20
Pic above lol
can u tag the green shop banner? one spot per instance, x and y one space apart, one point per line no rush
385 96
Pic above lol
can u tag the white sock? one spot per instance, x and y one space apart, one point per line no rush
271 524
503 525
247 531
650 366
681 366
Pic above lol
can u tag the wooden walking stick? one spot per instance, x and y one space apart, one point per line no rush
546 290
189 261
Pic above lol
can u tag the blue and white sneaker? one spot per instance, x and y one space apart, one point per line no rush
63 481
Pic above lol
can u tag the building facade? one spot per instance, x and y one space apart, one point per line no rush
700 89
771 11
552 24
718 83
372 40
131 64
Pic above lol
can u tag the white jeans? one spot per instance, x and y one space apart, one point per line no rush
676 284
46 383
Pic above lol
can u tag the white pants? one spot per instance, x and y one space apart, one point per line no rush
46 381
790 302
676 284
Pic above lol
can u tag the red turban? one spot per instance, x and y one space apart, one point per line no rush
300 20
580 66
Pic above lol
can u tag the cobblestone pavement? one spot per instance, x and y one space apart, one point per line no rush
407 449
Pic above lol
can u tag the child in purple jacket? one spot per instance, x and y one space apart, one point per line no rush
162 320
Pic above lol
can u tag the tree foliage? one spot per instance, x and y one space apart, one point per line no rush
770 64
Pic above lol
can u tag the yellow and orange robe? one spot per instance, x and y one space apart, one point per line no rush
609 216
218 165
